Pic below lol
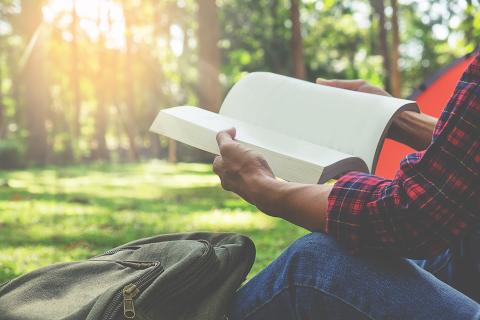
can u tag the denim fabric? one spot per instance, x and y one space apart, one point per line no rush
316 279
458 266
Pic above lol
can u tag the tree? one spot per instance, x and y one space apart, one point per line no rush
13 73
74 76
209 89
379 8
156 54
395 81
155 79
129 81
297 41
35 82
273 46
3 120
101 151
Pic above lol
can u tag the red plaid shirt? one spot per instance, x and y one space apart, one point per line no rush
434 197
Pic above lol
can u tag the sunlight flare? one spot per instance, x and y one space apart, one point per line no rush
96 18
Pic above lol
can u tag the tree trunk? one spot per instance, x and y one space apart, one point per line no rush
379 7
155 80
3 122
117 122
275 43
75 79
101 151
13 71
101 121
35 81
129 80
297 41
172 151
395 81
210 93
470 23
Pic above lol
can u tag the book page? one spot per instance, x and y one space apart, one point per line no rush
347 121
290 159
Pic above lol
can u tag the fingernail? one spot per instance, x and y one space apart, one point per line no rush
320 79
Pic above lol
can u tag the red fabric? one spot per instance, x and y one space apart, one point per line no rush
431 101
434 197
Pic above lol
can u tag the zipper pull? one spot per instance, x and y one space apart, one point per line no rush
129 292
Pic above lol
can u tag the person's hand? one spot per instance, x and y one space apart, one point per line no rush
408 127
354 85
240 169
247 173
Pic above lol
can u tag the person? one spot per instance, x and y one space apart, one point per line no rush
406 248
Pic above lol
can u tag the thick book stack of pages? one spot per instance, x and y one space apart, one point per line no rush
307 132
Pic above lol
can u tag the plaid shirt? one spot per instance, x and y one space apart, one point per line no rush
434 197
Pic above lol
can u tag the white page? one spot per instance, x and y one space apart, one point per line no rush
290 159
344 120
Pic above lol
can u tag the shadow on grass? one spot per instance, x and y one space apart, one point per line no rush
95 242
184 199
269 245
113 170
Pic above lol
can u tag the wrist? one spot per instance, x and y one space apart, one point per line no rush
413 129
401 127
265 193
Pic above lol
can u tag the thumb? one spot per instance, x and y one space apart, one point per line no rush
322 81
225 136
232 132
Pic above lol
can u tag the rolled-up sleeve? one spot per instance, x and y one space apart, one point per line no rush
434 197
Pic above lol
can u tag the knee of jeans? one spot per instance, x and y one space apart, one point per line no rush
312 248
313 242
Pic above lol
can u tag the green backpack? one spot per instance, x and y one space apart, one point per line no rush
176 276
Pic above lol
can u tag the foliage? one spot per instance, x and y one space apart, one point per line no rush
109 65
65 214
83 85
12 155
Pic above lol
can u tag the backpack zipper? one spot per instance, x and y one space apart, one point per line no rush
113 251
129 292
204 263
125 297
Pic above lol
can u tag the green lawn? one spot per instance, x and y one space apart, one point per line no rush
67 214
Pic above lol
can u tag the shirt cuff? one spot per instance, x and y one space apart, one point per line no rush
347 211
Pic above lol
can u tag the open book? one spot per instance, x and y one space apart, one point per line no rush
307 132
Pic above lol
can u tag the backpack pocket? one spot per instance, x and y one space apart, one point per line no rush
123 300
181 269
184 277
77 290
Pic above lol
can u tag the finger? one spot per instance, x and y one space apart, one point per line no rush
343 84
225 136
218 165
322 81
232 132
225 185
218 169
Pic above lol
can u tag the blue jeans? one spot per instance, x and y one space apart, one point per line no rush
315 279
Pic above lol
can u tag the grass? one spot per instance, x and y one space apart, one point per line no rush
67 214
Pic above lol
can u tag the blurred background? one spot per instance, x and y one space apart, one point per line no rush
81 82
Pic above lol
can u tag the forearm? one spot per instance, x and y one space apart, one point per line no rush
413 129
301 204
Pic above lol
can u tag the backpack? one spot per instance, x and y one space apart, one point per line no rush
175 276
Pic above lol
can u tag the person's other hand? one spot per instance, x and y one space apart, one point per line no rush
355 85
240 169
408 127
